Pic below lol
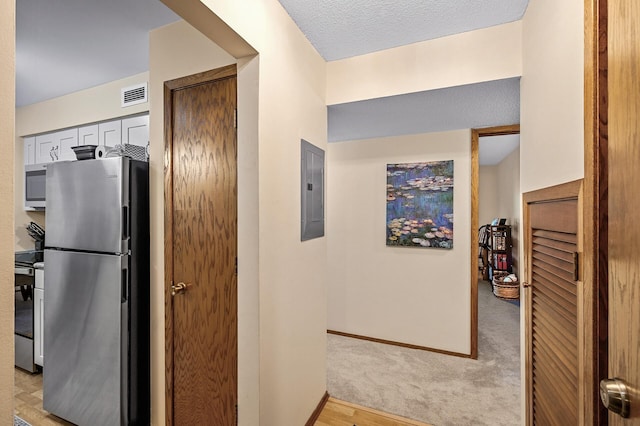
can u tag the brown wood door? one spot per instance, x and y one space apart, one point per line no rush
201 249
624 199
552 305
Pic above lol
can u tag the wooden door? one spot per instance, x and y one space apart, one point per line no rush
552 309
201 247
624 199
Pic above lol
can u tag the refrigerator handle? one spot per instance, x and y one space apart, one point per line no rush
125 223
125 286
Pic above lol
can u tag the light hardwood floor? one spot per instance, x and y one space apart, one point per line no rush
341 413
27 399
28 406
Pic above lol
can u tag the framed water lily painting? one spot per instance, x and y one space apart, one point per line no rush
420 204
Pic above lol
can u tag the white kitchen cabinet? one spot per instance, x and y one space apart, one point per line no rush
88 135
38 318
110 133
29 150
56 146
46 148
135 130
66 140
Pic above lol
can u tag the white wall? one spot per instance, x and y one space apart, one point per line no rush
408 295
487 194
7 136
552 100
483 55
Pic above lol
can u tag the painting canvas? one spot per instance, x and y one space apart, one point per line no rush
420 204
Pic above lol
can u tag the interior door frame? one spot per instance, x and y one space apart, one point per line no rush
169 87
476 134
595 206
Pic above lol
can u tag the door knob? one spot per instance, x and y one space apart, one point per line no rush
178 288
614 394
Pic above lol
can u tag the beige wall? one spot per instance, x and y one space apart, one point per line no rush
85 106
82 107
499 196
475 56
409 295
487 194
509 199
552 100
291 274
7 112
179 50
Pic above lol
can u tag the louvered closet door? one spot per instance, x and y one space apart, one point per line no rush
554 313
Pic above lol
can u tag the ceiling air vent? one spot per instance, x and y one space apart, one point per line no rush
133 95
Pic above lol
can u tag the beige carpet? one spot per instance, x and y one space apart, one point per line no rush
435 388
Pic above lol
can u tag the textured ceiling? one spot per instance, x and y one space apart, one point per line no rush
344 28
477 105
70 45
63 46
494 149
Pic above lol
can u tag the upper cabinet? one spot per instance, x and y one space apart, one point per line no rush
57 146
135 130
110 133
30 150
88 135
67 139
47 147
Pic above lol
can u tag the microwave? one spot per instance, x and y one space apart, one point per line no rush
35 186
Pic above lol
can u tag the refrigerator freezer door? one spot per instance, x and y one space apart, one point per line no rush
85 379
87 205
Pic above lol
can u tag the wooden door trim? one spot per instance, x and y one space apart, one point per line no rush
169 87
476 134
566 191
595 264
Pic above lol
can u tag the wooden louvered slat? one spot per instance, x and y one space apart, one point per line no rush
559 254
570 335
562 289
555 368
553 313
564 330
558 245
566 286
562 365
564 355
555 261
564 275
556 401
557 349
558 369
558 236
550 306
546 302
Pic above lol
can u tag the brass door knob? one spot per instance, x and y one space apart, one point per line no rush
178 288
615 396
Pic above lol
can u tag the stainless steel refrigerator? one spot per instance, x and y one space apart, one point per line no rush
96 296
